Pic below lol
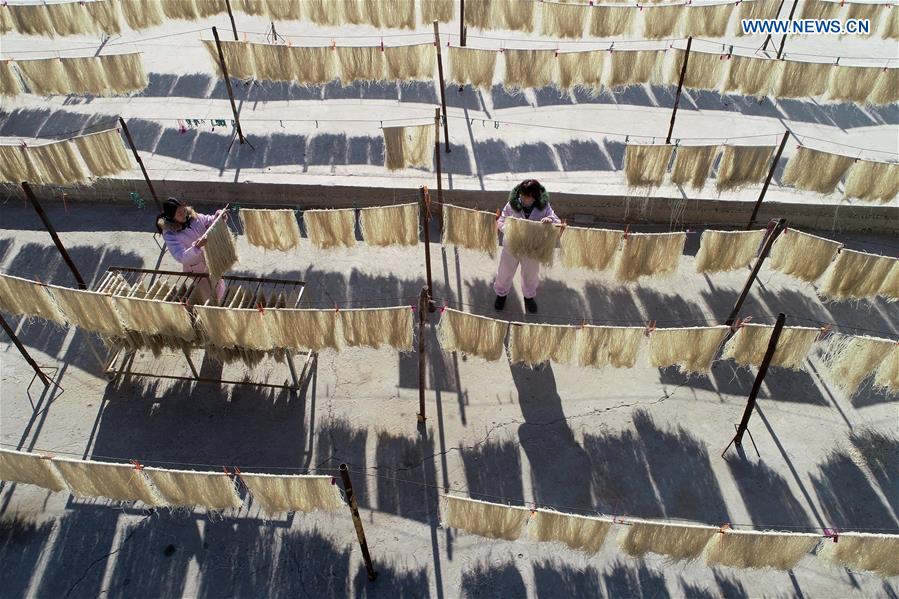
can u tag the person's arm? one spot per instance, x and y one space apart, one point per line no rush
550 216
501 221
207 219
179 251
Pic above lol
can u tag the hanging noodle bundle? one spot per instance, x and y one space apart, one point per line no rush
471 334
272 62
104 153
69 18
871 12
611 21
677 541
187 488
886 90
57 163
436 10
514 15
361 12
589 248
179 9
856 275
633 67
849 360
313 65
293 493
577 532
6 21
813 170
234 327
238 58
704 70
581 69
861 551
120 482
692 349
16 166
707 21
757 9
271 229
406 63
887 375
124 72
470 66
30 19
530 239
360 63
142 15
152 317
105 16
322 12
482 518
853 84
727 250
376 327
751 549
743 165
752 76
692 165
312 330
563 20
872 181
210 8
480 13
819 9
9 83
802 255
649 255
533 344
662 22
329 229
600 346
397 14
408 146
890 287
803 79
86 76
44 76
220 250
390 225
27 298
528 68
646 165
749 345
30 469
891 28
471 229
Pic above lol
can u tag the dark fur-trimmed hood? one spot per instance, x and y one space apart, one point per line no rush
163 225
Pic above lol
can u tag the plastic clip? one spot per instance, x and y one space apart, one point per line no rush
627 229
333 45
724 528
260 307
832 533
823 332
650 326
382 44
137 465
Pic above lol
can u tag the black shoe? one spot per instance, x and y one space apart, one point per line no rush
500 302
530 304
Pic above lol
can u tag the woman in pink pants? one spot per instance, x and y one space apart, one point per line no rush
528 200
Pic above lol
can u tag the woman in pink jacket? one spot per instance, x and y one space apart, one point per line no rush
528 200
183 229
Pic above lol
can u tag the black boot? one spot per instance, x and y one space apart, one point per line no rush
500 302
531 305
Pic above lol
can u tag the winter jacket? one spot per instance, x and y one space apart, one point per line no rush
180 243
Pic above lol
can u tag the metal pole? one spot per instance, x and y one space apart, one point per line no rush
442 86
426 217
784 38
778 228
357 521
218 45
62 250
231 16
140 162
462 23
680 85
37 369
422 307
758 203
763 369
437 164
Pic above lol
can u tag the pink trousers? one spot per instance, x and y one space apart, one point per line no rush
508 264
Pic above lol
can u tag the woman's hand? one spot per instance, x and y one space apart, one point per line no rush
201 242
546 219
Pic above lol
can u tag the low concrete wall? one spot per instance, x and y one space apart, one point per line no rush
575 208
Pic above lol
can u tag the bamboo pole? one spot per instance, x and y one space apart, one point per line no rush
218 45
442 85
680 85
140 162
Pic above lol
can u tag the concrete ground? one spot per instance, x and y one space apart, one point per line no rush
642 442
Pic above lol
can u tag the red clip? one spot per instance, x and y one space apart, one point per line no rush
497 214
413 307
382 44
832 533
336 307
725 527
333 45
260 307
627 229
650 326
557 52
226 471
443 309
333 481
137 465
824 330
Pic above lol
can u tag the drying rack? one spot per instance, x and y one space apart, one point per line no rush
183 288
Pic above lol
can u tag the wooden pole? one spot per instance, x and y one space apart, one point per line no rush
357 521
49 226
231 16
462 23
777 14
438 167
140 162
218 45
753 394
426 218
12 335
442 86
758 203
422 358
680 85
766 248
784 39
